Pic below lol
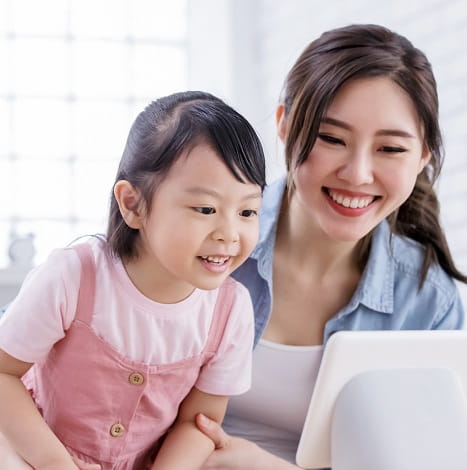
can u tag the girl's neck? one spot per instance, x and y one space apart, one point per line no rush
155 284
308 247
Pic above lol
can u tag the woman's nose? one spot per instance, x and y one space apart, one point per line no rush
357 169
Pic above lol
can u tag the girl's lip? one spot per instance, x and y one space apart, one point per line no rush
216 256
220 266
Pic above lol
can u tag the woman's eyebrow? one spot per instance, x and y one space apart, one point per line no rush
336 122
396 133
381 132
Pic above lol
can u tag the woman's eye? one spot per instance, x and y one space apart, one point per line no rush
205 210
389 149
248 213
330 139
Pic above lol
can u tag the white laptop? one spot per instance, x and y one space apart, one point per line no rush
348 353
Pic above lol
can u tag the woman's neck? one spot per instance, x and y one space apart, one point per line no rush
309 248
314 277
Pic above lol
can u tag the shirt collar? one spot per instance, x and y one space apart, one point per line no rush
272 202
375 289
268 219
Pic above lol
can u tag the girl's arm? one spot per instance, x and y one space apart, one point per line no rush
185 446
22 424
233 453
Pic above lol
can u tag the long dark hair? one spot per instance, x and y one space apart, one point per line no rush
357 51
162 132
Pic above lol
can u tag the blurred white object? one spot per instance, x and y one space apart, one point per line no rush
21 254
349 354
404 419
21 251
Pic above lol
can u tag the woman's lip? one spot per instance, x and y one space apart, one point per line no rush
347 193
350 206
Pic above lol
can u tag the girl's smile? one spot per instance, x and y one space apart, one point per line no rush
217 263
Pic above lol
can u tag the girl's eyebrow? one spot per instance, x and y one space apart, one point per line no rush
211 192
381 132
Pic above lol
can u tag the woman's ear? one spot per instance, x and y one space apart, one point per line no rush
425 158
129 202
281 123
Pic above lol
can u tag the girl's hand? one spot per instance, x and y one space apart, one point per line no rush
84 465
75 464
232 453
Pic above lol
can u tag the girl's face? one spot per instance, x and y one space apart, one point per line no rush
365 161
202 225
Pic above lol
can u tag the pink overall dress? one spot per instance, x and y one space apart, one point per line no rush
102 406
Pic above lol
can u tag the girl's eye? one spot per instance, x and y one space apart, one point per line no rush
390 149
205 210
330 139
249 213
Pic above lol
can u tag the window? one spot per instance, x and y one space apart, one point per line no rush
75 73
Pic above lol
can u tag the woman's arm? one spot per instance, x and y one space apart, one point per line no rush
233 453
185 447
21 423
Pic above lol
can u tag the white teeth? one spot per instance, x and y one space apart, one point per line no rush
215 259
353 203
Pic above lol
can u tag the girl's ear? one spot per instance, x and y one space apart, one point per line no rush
281 122
129 202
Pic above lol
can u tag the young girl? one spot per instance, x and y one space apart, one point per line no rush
350 239
115 338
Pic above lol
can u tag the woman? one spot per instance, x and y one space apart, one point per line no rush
350 239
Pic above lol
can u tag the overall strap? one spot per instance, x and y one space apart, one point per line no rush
220 317
87 285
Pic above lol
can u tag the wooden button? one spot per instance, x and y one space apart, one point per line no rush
117 430
136 378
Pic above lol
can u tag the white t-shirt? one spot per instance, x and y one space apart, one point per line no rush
137 327
273 411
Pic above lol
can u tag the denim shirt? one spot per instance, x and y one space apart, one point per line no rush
388 295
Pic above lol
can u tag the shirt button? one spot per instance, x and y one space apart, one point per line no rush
136 378
117 430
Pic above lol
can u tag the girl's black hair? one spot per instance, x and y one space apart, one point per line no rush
164 130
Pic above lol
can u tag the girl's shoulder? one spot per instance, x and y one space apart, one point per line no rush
234 289
60 274
234 300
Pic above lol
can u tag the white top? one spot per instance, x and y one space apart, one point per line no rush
137 327
273 411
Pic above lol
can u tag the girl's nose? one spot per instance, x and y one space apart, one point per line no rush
226 232
357 169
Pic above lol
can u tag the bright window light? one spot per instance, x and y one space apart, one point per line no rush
75 73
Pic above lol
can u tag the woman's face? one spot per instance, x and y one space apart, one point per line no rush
365 161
